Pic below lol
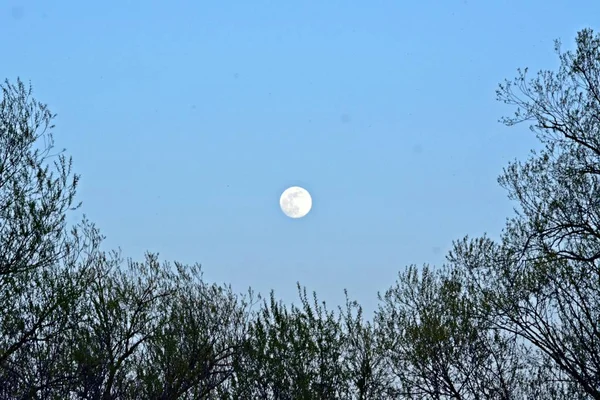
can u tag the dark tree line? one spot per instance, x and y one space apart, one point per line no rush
516 318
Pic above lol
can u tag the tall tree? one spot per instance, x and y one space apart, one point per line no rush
542 280
43 263
75 323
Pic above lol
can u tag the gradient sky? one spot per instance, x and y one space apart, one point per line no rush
187 119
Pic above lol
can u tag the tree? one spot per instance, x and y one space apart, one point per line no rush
202 331
364 356
75 323
116 318
151 331
437 348
542 280
292 354
43 264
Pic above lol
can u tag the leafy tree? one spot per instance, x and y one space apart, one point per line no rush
366 363
542 280
74 323
43 264
437 348
117 316
292 354
309 352
202 330
146 331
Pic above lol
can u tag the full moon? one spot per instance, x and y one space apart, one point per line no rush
295 202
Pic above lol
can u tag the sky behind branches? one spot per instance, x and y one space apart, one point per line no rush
187 119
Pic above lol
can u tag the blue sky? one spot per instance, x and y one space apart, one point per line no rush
187 119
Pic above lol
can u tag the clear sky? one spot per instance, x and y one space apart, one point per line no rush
187 119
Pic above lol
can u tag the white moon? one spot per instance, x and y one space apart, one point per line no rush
295 202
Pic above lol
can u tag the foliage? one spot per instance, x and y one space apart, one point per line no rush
292 354
43 265
437 347
516 318
542 280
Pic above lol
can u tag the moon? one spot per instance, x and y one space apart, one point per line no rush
295 202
